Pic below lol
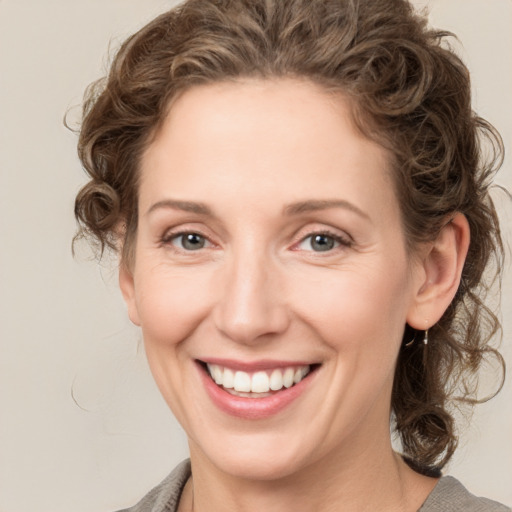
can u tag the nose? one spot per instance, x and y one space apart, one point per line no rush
251 306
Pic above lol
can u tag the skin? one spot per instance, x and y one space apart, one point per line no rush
258 289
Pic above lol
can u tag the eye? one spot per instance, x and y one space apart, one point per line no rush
322 242
189 241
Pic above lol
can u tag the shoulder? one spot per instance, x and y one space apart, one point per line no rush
165 496
450 495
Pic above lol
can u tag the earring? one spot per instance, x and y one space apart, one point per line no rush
425 339
411 342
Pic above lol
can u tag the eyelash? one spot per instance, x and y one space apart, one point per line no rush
169 237
342 241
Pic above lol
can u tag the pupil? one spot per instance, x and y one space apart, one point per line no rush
193 241
322 243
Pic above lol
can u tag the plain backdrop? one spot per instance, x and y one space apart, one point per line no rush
82 426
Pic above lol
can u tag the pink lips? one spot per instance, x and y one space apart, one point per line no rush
252 408
254 366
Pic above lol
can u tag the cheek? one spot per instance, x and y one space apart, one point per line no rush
360 308
170 304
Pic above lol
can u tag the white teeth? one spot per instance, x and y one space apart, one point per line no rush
288 377
276 380
300 373
228 379
242 382
217 374
258 382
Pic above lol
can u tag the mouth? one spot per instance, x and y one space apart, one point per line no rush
257 390
257 384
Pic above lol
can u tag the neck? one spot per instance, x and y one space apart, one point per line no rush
359 478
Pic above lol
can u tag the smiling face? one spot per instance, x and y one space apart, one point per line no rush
270 257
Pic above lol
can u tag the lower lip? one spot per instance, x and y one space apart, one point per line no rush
252 408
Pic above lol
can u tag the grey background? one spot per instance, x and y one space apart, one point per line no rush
82 426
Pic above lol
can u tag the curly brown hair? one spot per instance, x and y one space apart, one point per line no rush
410 93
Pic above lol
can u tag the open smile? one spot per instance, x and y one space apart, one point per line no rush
257 392
259 383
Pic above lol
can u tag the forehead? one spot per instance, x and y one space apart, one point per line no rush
286 139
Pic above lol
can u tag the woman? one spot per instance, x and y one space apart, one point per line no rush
298 197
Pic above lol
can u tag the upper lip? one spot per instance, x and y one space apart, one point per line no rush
253 366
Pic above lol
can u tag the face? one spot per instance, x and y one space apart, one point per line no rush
271 279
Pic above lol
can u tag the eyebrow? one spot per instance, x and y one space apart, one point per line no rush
186 206
297 208
322 204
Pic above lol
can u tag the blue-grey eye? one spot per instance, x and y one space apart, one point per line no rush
190 241
322 242
319 242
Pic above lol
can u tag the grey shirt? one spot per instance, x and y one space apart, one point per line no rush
449 495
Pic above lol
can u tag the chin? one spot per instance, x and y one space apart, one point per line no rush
256 456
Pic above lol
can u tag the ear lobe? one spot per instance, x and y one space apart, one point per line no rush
127 285
441 271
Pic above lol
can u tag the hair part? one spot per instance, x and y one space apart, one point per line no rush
409 92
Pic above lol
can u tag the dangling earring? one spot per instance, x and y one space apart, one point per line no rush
411 342
425 350
425 339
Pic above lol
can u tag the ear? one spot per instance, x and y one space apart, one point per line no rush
439 276
127 285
